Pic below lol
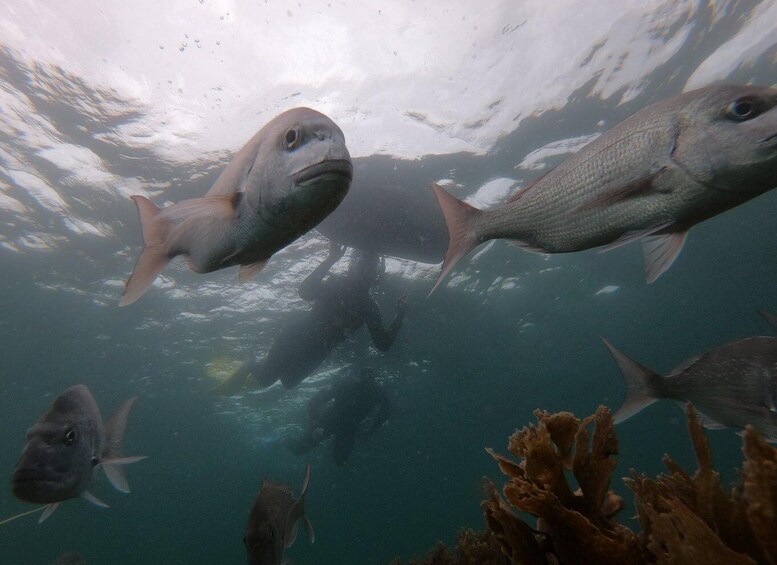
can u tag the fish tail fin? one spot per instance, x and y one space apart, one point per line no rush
113 460
463 237
771 318
153 257
642 384
308 526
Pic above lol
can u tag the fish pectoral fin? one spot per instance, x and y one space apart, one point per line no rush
247 272
642 186
661 251
48 511
526 246
635 235
309 529
86 495
115 473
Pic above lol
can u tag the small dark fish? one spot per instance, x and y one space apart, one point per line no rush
64 447
731 386
281 184
272 524
771 318
652 177
70 558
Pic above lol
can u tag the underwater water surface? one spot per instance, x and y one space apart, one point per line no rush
100 103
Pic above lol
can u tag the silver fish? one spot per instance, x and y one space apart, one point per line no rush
651 178
283 182
731 386
64 447
272 524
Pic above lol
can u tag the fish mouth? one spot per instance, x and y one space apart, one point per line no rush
325 170
28 476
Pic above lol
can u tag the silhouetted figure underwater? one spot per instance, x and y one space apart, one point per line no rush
353 407
341 305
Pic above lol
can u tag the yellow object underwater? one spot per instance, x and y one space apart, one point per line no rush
221 368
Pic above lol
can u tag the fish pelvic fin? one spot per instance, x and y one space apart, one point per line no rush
86 495
660 252
463 237
309 529
153 257
642 384
48 511
113 460
248 272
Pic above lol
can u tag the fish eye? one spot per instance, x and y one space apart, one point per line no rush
292 138
70 437
743 109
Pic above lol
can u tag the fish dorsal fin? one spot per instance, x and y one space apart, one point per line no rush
247 272
305 481
112 459
633 189
527 188
115 427
684 366
661 251
86 495
48 511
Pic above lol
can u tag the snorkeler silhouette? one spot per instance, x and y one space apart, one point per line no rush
354 407
341 305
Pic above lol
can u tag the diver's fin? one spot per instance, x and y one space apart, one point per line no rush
661 251
48 511
112 459
463 238
153 257
309 529
247 272
642 384
86 495
771 318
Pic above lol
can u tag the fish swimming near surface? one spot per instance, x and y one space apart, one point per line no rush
651 178
730 386
272 524
65 446
282 183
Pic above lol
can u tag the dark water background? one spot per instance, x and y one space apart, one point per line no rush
470 365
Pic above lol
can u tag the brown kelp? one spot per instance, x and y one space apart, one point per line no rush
561 475
684 517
